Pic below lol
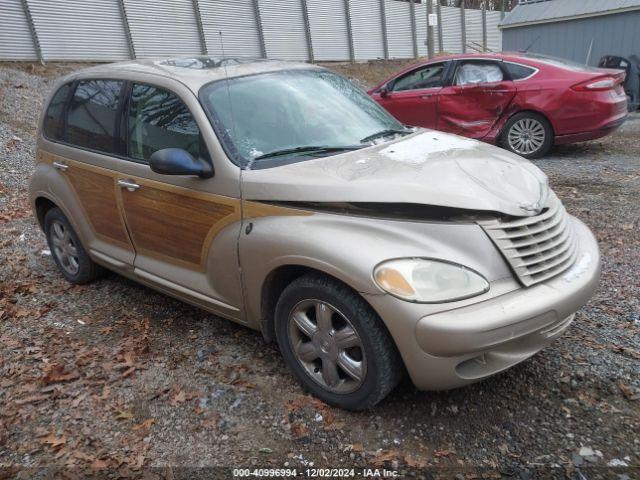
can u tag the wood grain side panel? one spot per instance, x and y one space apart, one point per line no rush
97 194
174 226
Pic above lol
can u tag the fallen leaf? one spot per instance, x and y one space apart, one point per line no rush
99 464
385 456
627 391
56 373
124 415
414 462
443 453
53 441
146 425
212 421
179 397
299 431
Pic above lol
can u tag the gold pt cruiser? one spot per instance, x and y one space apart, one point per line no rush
280 196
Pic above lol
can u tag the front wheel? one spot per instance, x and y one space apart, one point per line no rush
335 344
528 134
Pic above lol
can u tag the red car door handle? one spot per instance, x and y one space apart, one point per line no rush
427 95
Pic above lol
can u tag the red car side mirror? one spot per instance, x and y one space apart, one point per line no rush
384 92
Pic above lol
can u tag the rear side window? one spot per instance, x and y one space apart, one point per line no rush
53 121
471 73
518 72
158 119
91 119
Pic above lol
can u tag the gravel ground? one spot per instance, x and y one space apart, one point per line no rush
114 376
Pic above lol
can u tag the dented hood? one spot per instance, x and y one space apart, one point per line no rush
426 167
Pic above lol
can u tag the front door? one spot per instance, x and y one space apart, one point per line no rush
413 97
476 100
184 233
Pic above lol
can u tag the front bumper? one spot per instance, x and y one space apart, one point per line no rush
455 347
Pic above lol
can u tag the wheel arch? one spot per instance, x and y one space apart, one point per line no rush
525 110
42 205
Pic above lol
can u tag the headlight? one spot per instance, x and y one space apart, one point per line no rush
423 280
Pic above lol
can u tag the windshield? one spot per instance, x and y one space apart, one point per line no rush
292 111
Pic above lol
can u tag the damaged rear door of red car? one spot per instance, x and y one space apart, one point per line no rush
480 93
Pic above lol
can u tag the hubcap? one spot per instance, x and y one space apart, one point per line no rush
526 136
327 346
63 248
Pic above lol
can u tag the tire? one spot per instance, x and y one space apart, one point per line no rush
380 366
67 250
532 130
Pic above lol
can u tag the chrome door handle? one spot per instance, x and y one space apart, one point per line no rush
60 166
129 185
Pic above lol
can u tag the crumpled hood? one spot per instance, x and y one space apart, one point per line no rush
427 167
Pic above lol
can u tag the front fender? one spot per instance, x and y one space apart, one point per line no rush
349 247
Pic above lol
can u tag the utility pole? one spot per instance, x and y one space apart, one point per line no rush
429 29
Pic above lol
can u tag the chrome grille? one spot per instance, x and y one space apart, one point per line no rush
538 247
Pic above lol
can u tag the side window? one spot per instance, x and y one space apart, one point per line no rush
518 72
478 72
91 119
159 119
424 77
53 121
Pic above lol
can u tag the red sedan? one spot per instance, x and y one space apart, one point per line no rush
521 101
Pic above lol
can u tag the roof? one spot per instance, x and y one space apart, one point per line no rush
561 10
194 72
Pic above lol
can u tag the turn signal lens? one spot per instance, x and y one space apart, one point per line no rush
424 280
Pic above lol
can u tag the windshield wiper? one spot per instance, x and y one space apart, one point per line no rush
386 133
308 149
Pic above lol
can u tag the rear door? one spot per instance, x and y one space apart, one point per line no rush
81 129
413 97
480 93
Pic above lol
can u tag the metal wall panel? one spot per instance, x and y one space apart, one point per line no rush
329 31
366 23
451 29
237 21
15 36
399 30
79 30
473 20
611 34
284 30
163 27
494 36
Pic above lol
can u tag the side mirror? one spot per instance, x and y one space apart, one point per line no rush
384 91
176 161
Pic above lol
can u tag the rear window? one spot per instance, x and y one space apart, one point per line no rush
518 72
91 119
53 122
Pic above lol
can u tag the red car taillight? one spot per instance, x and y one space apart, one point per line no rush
598 84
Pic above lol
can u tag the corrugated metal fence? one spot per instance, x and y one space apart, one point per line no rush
311 30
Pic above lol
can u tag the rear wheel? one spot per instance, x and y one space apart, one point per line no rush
66 249
335 343
528 134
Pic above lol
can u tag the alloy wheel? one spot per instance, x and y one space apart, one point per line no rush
526 136
327 346
63 248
